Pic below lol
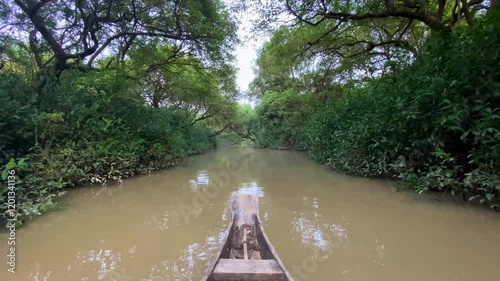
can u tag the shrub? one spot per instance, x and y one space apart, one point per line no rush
435 124
85 128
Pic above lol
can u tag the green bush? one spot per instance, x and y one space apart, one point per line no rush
85 128
435 124
16 114
281 120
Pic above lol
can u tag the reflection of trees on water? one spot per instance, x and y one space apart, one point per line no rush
189 264
319 233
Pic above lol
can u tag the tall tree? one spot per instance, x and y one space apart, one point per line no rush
78 32
171 78
381 31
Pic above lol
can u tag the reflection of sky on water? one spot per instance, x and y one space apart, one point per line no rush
380 252
107 259
251 188
186 267
160 221
202 179
37 275
194 256
316 231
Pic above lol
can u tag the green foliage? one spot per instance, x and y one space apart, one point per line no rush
204 28
281 120
435 124
243 122
230 138
90 102
15 116
88 128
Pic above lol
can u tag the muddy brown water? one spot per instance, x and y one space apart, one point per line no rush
325 226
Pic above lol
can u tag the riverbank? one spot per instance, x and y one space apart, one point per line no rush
86 129
106 172
432 122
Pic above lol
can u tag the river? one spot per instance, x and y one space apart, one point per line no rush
325 226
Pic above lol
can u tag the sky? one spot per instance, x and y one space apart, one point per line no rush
246 53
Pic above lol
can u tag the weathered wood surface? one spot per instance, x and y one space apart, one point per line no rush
245 208
248 270
261 265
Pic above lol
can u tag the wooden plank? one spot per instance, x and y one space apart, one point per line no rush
245 211
248 270
245 246
244 207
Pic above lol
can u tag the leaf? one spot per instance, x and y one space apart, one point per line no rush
489 196
11 165
464 135
5 174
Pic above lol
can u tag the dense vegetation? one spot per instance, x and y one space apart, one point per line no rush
398 97
93 91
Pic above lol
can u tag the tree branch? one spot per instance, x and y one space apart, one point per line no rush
40 25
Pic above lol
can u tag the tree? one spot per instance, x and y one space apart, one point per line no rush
176 80
78 32
367 37
244 123
438 15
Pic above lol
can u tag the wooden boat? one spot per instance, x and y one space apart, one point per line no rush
247 253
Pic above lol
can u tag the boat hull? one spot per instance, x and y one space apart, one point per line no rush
268 266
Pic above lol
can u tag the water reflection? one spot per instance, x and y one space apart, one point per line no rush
202 179
319 233
190 260
163 221
107 262
37 275
380 251
251 188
